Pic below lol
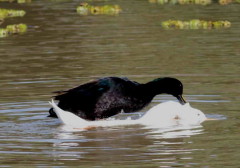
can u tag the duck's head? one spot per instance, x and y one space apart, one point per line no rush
170 86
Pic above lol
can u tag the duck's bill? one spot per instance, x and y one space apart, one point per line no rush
181 99
211 119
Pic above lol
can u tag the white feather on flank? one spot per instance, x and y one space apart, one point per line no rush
164 114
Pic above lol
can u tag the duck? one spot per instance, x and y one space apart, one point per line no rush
109 96
170 112
165 114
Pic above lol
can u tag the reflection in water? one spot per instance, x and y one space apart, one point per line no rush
66 140
176 132
162 144
68 132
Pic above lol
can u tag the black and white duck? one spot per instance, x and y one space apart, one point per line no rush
109 96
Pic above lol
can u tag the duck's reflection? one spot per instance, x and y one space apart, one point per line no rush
175 132
164 146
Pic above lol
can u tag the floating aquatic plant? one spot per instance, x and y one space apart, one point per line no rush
3 33
16 28
195 24
226 2
96 0
13 29
86 9
18 1
182 2
5 13
196 2
1 20
6 0
24 1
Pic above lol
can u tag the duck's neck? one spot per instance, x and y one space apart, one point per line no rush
152 88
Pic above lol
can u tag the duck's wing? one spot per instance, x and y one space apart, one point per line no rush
84 89
81 100
121 96
96 88
97 99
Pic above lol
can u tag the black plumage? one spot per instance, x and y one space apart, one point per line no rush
108 96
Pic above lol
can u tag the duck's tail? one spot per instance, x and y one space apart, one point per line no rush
52 113
66 117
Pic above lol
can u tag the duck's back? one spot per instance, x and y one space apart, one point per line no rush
123 95
99 99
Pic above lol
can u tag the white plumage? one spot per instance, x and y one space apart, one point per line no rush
164 114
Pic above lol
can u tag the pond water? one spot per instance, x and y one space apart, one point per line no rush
63 49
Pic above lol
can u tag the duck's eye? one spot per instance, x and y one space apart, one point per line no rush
198 114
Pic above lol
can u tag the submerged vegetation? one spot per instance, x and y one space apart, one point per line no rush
86 9
195 24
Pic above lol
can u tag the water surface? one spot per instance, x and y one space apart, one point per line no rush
62 49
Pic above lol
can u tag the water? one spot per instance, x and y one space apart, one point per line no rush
62 49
